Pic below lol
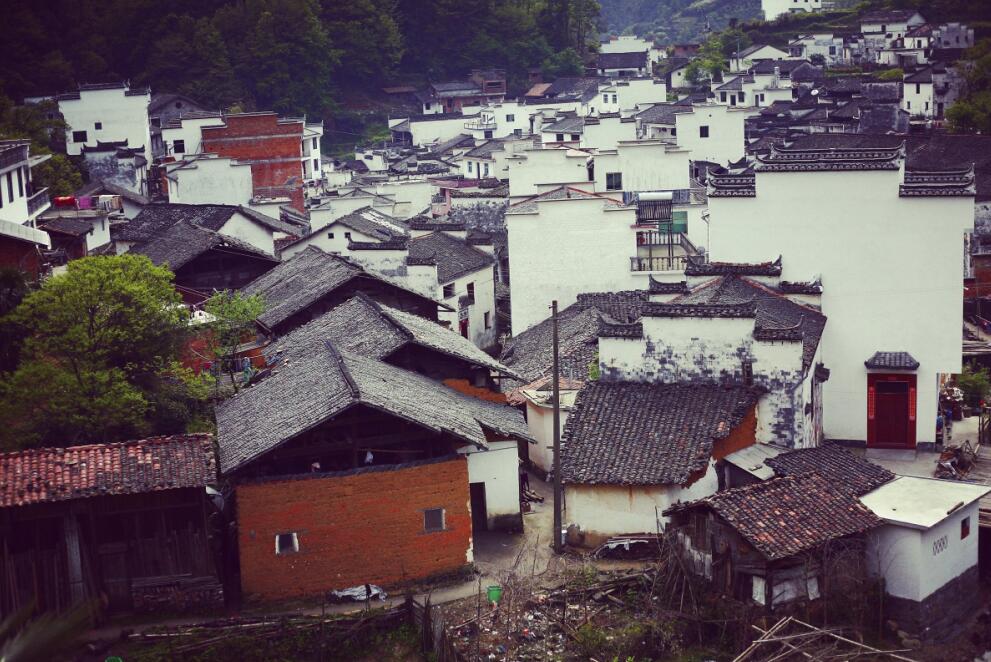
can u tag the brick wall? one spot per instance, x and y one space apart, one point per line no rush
20 255
274 149
352 528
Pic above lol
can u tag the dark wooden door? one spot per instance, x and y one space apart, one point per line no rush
891 411
479 516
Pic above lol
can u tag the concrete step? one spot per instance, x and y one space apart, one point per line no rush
891 454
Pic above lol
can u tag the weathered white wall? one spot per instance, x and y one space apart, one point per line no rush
333 208
725 142
484 283
433 130
568 247
647 165
123 117
608 510
412 196
388 262
241 227
640 91
212 180
545 166
958 556
608 132
189 132
678 349
919 99
322 239
499 468
890 274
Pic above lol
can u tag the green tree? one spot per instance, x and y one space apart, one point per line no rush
890 75
102 338
975 384
59 173
563 63
367 35
972 111
233 323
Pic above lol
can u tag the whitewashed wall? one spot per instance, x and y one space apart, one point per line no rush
921 102
213 180
191 135
608 132
568 247
545 166
322 239
122 117
247 230
608 510
725 142
484 284
646 166
890 274
499 469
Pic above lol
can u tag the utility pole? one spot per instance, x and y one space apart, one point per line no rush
557 434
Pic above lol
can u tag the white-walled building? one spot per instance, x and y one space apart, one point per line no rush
366 225
465 279
565 242
926 551
497 468
324 209
629 43
774 8
209 179
607 131
312 161
711 132
824 44
533 171
642 165
918 94
183 135
743 60
20 201
893 327
106 113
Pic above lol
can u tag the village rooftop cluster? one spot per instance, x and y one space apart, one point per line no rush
760 284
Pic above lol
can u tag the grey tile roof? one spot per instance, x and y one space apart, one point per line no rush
155 218
314 387
454 257
635 60
306 278
786 516
841 467
892 361
565 125
661 113
486 149
66 225
372 329
179 244
776 317
98 186
624 433
529 352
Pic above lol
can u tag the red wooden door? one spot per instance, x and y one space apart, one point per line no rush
891 411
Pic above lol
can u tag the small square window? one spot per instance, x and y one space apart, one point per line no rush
78 136
510 118
330 235
575 136
98 125
449 290
560 137
703 131
614 181
964 527
179 146
286 543
347 235
433 520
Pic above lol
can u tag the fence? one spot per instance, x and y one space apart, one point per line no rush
433 630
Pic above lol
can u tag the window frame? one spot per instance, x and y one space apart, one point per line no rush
443 520
448 291
176 144
98 126
965 527
703 130
614 181
293 547
77 139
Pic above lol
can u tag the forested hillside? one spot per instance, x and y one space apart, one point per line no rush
293 56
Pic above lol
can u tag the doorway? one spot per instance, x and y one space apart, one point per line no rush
891 411
479 515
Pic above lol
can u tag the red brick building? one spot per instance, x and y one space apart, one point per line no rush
20 248
272 145
348 528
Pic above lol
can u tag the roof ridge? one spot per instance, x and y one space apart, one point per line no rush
345 373
60 450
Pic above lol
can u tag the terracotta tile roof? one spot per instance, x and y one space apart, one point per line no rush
842 468
623 433
786 516
131 467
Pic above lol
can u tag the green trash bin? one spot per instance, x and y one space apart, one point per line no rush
494 593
